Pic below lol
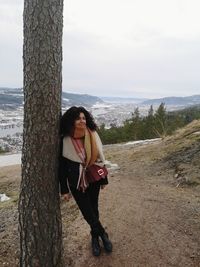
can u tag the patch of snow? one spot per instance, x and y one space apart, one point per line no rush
101 105
143 142
3 197
196 133
8 160
112 166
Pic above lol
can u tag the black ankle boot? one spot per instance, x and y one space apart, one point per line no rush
96 250
106 242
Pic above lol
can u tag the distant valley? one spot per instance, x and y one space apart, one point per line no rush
106 110
12 98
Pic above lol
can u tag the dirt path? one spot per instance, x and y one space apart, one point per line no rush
151 222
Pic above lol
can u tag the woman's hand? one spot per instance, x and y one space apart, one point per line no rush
66 196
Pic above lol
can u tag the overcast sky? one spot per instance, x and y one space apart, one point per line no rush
137 48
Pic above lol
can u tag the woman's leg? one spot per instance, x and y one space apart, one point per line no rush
93 191
86 207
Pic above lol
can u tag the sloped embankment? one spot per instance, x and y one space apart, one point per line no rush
183 154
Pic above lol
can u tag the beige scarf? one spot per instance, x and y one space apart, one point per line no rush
89 143
86 150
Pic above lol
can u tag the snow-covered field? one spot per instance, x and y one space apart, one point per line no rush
11 159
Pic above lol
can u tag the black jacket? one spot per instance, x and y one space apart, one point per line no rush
69 174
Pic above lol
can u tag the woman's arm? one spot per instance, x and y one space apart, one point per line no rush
63 176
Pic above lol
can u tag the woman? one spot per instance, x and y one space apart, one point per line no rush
81 148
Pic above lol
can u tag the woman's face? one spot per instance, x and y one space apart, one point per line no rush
80 121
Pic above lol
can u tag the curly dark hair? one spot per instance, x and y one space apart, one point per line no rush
72 114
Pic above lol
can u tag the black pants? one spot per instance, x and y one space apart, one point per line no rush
88 205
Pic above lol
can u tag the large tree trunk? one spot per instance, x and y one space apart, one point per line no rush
39 209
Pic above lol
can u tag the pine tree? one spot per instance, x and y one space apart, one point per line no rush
149 124
39 204
160 127
136 124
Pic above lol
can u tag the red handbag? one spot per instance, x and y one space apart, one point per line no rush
95 173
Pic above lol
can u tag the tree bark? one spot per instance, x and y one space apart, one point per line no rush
39 205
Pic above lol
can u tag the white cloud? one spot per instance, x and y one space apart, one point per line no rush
121 19
11 43
132 47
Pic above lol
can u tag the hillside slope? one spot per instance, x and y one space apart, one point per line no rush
187 100
150 208
12 98
183 154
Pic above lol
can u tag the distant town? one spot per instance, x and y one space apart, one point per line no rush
108 111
